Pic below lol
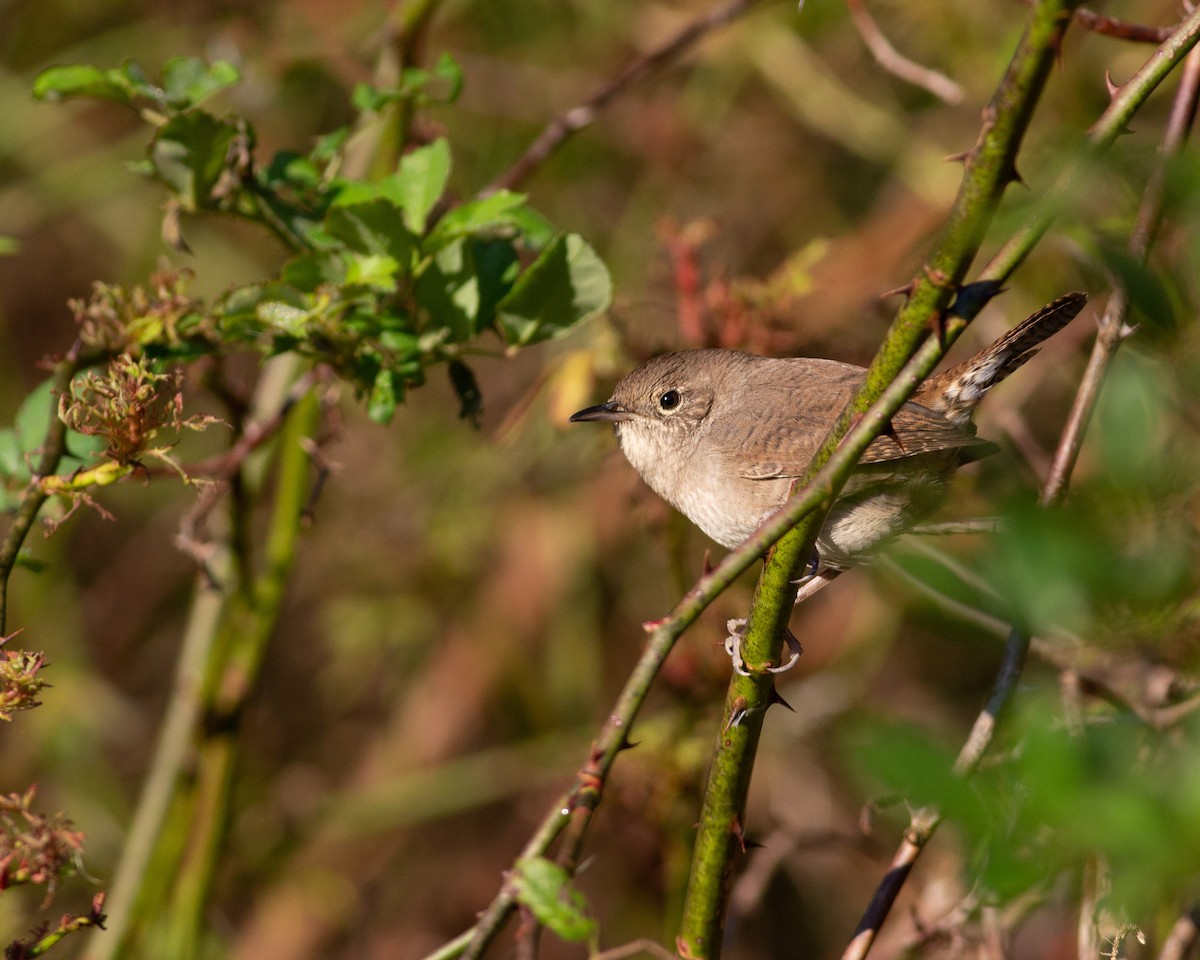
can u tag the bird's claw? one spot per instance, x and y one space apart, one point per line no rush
733 647
810 569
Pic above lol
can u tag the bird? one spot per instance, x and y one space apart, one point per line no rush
721 435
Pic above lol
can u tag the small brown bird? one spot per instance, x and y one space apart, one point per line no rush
721 435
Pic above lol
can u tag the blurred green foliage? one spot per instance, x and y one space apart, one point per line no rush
466 603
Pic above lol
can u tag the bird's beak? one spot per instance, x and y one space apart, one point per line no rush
612 412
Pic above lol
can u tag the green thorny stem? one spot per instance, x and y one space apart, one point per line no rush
576 805
988 169
1113 330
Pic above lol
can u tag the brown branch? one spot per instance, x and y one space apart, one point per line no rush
920 829
562 127
894 62
1121 29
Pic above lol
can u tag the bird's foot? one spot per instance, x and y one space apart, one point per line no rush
733 647
810 569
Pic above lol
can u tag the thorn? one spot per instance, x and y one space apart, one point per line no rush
735 827
960 157
1014 176
651 625
889 430
708 564
628 744
904 291
937 324
775 699
936 277
737 714
1113 88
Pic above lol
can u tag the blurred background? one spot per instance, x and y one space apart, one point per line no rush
468 602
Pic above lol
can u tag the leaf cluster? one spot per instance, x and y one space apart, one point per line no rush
386 277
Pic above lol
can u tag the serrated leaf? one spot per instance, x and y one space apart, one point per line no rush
283 317
375 270
373 227
188 81
546 890
189 155
567 283
421 181
309 271
386 393
81 80
495 210
448 291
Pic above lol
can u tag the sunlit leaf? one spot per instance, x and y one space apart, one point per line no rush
81 80
190 154
421 182
546 890
566 284
188 81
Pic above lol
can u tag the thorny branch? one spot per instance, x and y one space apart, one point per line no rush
1113 331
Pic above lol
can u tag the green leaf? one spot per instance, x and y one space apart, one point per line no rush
442 84
386 393
450 74
413 189
374 227
421 182
12 460
33 417
9 246
375 270
284 317
474 216
81 80
546 889
189 155
188 81
567 283
448 290
309 271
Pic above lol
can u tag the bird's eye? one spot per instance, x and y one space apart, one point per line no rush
669 400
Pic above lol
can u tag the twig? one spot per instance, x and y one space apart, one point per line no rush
1113 327
1121 29
1183 936
894 62
1113 122
1087 931
52 450
920 829
1017 646
558 130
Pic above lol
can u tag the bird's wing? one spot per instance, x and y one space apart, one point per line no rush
783 445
